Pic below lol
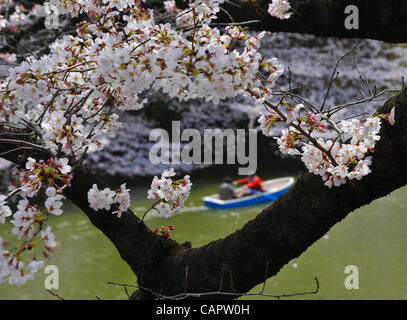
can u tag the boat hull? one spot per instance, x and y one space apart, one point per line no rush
214 202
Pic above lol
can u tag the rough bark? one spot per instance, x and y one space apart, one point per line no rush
278 234
380 20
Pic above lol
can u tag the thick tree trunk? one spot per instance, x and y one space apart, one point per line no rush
378 19
278 234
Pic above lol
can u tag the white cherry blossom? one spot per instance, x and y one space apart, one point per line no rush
5 210
279 9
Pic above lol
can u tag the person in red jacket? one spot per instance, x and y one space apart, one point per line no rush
252 182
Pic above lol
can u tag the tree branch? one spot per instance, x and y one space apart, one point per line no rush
289 226
378 19
278 234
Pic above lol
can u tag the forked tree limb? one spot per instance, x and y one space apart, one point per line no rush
278 234
291 224
287 228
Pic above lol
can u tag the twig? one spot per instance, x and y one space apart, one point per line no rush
15 150
152 207
186 295
55 95
332 79
367 99
298 127
23 143
55 295
12 193
127 293
182 296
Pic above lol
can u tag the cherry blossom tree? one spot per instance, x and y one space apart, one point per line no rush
57 107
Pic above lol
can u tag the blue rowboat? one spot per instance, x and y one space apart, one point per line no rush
273 189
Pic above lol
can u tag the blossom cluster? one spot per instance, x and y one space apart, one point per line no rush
348 157
29 221
51 173
104 199
279 9
4 209
171 194
352 159
74 7
8 57
164 231
202 11
13 268
71 93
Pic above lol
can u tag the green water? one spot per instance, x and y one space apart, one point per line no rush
373 238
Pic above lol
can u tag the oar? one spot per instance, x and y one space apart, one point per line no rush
271 197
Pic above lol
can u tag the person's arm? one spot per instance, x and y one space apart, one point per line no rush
244 180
